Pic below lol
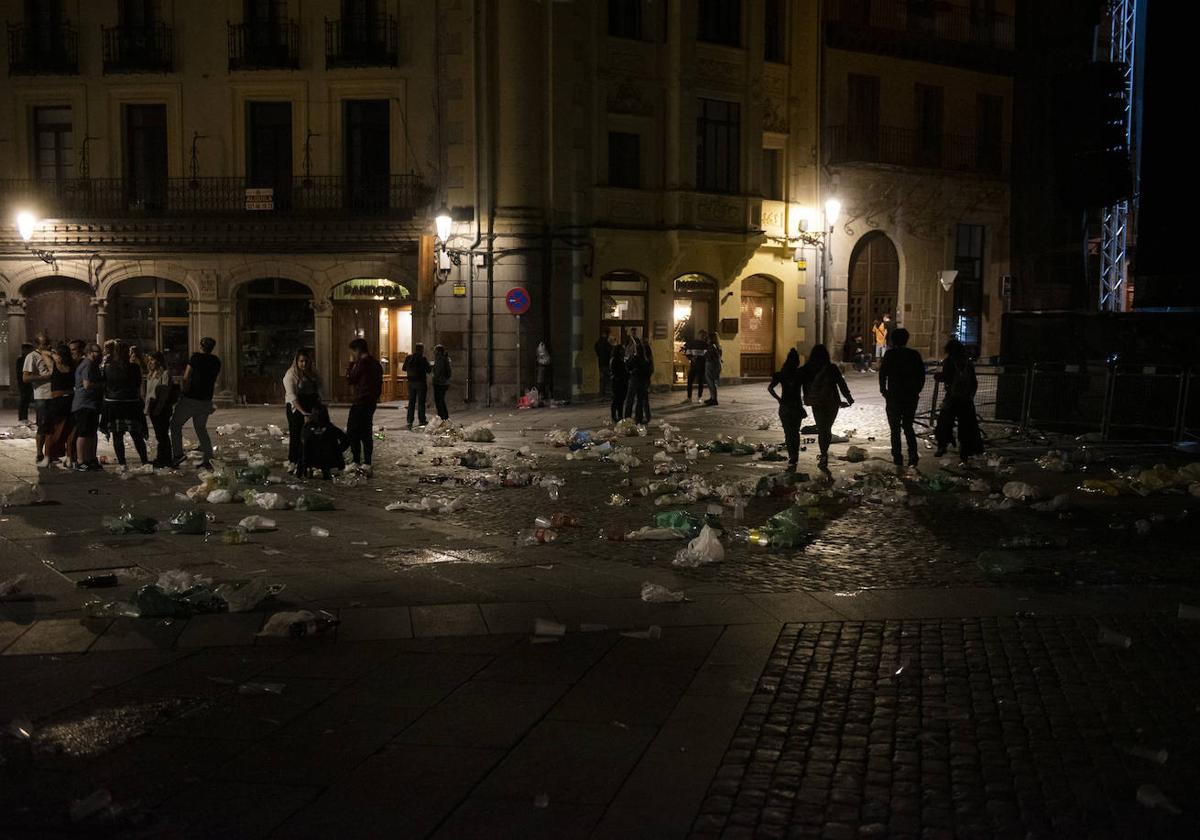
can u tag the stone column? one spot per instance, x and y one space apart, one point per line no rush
102 330
323 341
16 335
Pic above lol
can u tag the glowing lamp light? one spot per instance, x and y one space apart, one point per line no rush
442 222
25 224
833 209
683 311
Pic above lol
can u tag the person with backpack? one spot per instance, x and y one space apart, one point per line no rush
824 390
958 406
791 406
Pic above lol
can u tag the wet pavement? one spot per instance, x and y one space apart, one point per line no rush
768 703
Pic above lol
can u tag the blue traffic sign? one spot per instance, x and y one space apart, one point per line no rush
517 300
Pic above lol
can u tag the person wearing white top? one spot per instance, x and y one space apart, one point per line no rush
301 394
36 372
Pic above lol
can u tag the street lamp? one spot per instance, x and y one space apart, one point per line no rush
823 240
442 222
26 222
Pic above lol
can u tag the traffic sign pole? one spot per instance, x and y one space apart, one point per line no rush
519 394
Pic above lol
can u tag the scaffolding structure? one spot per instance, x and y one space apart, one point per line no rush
1114 231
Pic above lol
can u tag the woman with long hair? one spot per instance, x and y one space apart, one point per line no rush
823 382
123 408
791 406
301 394
160 397
58 407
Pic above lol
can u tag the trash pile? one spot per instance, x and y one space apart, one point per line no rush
181 594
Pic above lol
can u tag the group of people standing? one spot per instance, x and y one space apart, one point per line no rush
627 368
80 390
704 366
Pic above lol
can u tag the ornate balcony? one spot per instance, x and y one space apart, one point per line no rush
923 30
43 50
264 46
400 197
849 144
138 49
358 42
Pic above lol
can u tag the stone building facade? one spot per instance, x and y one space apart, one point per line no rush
267 172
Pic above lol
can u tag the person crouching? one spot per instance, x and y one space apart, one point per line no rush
323 445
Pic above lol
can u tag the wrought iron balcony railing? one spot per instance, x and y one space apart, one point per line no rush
264 46
138 49
935 19
37 50
909 148
400 196
361 42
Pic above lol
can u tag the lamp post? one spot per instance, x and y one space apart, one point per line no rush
946 279
833 210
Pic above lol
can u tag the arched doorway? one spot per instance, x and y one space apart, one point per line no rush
874 286
274 320
623 304
757 327
380 311
152 313
62 306
695 310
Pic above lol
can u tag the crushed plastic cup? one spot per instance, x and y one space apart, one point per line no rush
298 624
546 627
1113 639
653 593
257 523
318 531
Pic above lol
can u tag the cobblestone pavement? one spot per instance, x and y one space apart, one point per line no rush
1010 727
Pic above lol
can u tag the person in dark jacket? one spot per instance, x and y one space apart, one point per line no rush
619 373
958 407
712 367
695 349
417 368
901 378
640 363
823 382
791 406
123 406
323 445
441 381
365 376
25 389
603 350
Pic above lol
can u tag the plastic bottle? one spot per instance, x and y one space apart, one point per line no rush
536 536
557 520
751 536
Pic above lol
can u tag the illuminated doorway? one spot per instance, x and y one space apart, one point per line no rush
379 311
757 325
695 309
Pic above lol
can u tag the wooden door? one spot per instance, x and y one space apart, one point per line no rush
62 307
757 328
874 286
351 320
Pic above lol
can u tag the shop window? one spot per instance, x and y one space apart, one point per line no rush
152 313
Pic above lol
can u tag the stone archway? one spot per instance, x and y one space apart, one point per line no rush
873 288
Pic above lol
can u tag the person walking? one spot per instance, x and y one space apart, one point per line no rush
619 374
123 406
196 402
958 406
791 406
603 349
441 380
712 368
59 422
86 403
160 399
35 372
417 368
822 382
301 394
25 390
365 375
694 349
901 378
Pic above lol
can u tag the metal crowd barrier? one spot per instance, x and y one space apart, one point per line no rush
1119 403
